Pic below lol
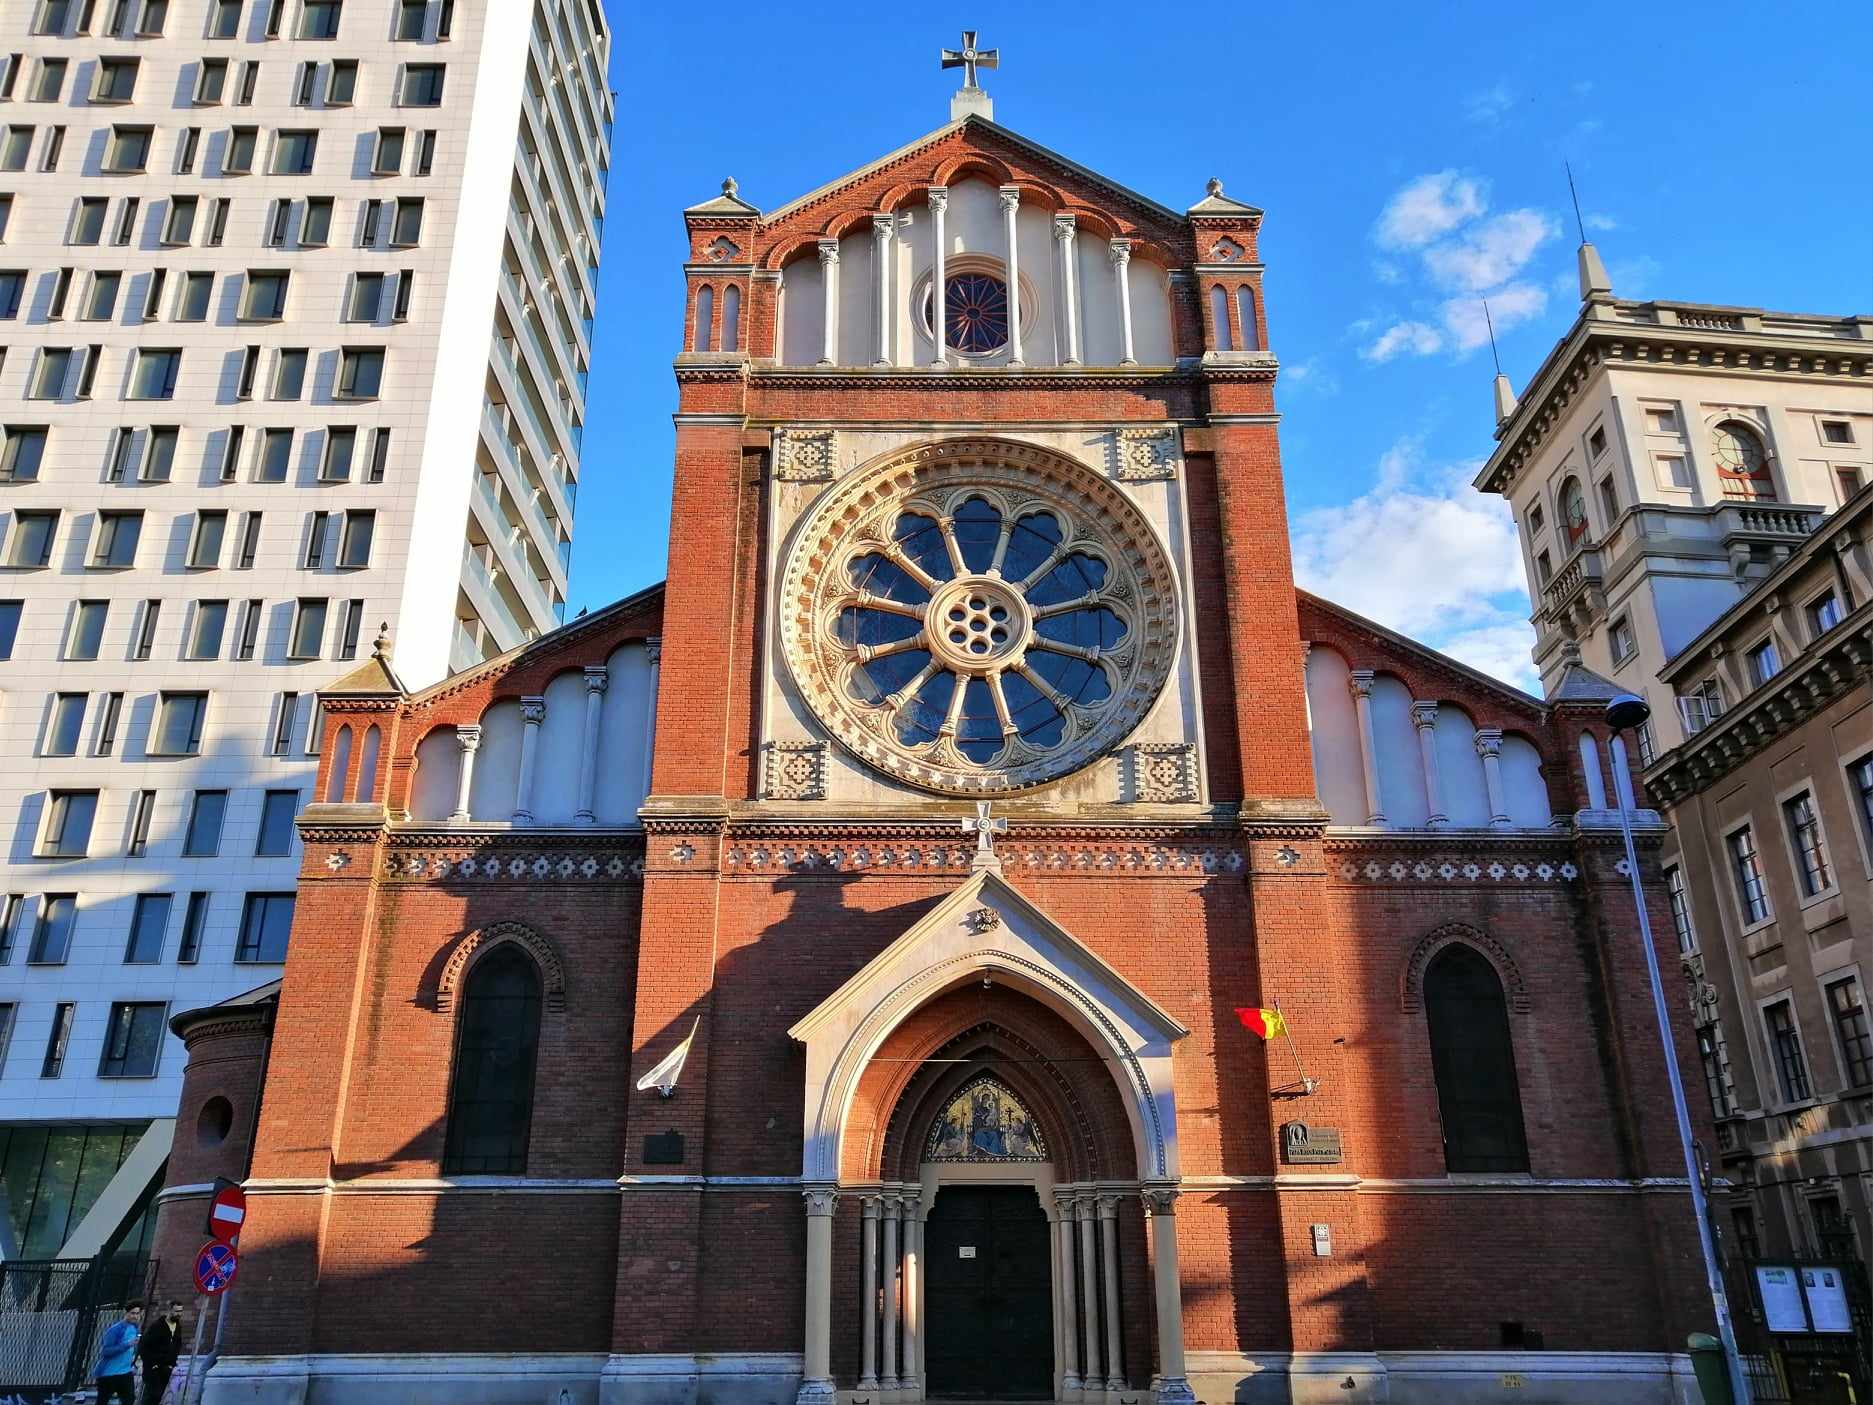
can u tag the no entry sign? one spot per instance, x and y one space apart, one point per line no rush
214 1267
226 1213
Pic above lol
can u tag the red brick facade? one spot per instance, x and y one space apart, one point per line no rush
738 917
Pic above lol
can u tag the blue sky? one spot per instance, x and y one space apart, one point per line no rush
1409 160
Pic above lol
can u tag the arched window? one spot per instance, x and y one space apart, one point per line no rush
340 763
1473 1061
1573 513
1245 315
1219 316
705 317
731 318
497 1039
367 766
1742 462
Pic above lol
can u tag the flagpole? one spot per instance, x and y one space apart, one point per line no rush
1307 1084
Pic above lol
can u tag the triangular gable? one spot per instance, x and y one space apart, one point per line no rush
988 928
1421 654
1138 214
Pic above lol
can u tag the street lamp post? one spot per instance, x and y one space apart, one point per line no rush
1623 713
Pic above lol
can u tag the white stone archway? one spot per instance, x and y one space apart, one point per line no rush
987 928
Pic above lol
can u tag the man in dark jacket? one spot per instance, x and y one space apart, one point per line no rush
160 1346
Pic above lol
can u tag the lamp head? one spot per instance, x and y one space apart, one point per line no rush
1627 711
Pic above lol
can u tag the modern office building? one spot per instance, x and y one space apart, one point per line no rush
1665 458
297 301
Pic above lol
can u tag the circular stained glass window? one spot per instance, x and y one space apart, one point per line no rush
979 615
975 313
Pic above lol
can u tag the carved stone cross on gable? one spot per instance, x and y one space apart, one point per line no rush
985 830
969 58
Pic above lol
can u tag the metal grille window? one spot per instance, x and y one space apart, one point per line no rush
148 922
266 922
52 934
497 1044
1785 1046
1746 868
1473 1060
1804 832
133 1040
1850 1024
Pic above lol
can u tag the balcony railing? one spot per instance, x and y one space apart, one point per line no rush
1578 576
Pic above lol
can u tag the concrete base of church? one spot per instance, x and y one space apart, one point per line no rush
1443 1378
1304 1378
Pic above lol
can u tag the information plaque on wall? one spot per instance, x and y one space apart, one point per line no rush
1305 1145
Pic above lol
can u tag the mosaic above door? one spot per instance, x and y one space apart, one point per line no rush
985 1122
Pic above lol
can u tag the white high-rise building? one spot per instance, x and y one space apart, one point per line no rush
296 300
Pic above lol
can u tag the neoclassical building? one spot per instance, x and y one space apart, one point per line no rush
816 978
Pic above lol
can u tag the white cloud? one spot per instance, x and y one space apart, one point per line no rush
1489 105
1311 376
1415 338
1600 222
1429 208
1490 253
1508 307
1426 554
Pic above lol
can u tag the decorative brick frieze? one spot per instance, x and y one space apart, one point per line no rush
1161 772
804 455
1147 453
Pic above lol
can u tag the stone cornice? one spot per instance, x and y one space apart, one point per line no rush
1047 378
1595 342
1841 662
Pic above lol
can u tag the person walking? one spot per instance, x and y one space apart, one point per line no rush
117 1358
161 1344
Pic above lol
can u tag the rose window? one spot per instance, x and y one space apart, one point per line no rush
975 313
969 623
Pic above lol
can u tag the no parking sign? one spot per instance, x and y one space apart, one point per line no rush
215 1264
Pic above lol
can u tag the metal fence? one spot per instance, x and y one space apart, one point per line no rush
54 1313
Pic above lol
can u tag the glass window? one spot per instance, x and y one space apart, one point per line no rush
101 302
276 451
179 723
224 20
197 289
51 374
69 816
293 152
1746 868
422 85
308 629
1823 614
126 226
133 1040
367 295
1742 462
1624 643
1804 832
128 150
52 934
276 824
23 453
341 85
238 158
1785 1046
360 372
211 77
388 160
315 231
111 711
194 925
1710 1055
118 534
10 611
1860 776
406 228
149 921
264 297
340 442
283 720
266 922
211 527
33 533
355 548
56 1040
318 19
64 722
146 632
1473 1062
12 290
87 632
410 17
49 82
155 374
202 839
491 1092
15 147
1850 1025
88 221
12 915
289 376
211 620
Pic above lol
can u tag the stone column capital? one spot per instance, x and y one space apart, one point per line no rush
883 227
1423 715
1121 251
869 1205
1010 198
468 737
1360 681
1159 1199
533 711
597 679
1489 742
1108 1205
653 649
820 1201
829 251
1066 226
938 198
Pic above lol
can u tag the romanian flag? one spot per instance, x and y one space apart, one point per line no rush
1267 1023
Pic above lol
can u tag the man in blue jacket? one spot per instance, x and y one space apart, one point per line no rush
117 1359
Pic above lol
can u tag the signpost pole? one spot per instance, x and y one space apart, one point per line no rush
195 1351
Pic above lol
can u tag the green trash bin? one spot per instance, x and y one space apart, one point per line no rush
1713 1374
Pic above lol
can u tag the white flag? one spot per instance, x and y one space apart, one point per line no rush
663 1077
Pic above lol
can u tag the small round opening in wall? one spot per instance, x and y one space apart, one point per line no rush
215 1122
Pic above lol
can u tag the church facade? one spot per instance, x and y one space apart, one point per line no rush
816 978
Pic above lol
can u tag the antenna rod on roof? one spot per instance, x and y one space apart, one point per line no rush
1579 223
1492 337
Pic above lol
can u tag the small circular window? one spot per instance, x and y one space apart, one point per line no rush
975 313
215 1122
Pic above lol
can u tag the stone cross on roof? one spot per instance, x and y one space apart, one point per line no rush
985 830
969 58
